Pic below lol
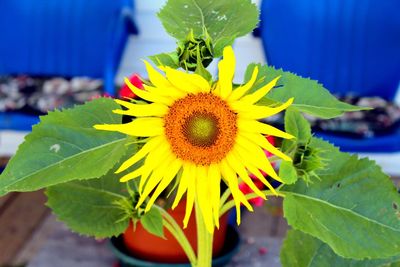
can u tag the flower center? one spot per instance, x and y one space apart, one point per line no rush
201 128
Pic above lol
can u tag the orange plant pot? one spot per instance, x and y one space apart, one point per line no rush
142 244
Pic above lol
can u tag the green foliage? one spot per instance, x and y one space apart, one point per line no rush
64 146
152 221
354 208
297 125
306 159
91 207
287 172
302 250
166 59
222 20
309 96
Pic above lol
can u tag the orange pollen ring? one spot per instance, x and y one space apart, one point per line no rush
201 128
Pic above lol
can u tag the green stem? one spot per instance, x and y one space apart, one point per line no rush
230 204
225 196
204 240
273 159
177 232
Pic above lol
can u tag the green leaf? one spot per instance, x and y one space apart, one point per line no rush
152 221
297 125
309 96
221 43
287 172
166 59
64 146
221 19
354 208
302 250
90 207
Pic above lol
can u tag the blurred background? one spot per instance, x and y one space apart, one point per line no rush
56 53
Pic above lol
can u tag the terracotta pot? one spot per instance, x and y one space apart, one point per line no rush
146 246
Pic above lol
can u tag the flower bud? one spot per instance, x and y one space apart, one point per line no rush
194 50
307 160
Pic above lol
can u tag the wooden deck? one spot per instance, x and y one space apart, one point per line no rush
26 226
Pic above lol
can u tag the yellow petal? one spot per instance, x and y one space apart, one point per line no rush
152 97
149 146
247 111
203 196
214 177
232 181
142 110
252 126
168 92
153 160
190 83
261 177
260 93
153 180
237 166
139 127
226 70
155 77
261 141
240 91
132 175
191 194
183 185
252 154
169 175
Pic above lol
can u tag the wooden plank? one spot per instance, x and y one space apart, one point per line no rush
254 224
66 249
37 241
6 200
18 221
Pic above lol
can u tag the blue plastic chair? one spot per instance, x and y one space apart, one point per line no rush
347 45
65 38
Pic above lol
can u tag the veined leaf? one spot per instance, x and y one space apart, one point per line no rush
297 125
64 146
152 221
221 19
354 208
90 207
309 96
302 250
166 59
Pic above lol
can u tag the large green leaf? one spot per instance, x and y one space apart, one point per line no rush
309 96
354 207
221 19
64 146
302 250
90 207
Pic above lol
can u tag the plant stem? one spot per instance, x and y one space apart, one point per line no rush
225 196
204 240
174 228
230 204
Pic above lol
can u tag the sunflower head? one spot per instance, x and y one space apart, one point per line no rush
205 132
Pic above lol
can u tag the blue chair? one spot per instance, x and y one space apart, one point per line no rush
347 45
65 38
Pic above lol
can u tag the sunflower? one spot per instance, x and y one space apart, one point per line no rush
201 133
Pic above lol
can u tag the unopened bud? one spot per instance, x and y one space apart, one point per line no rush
194 50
